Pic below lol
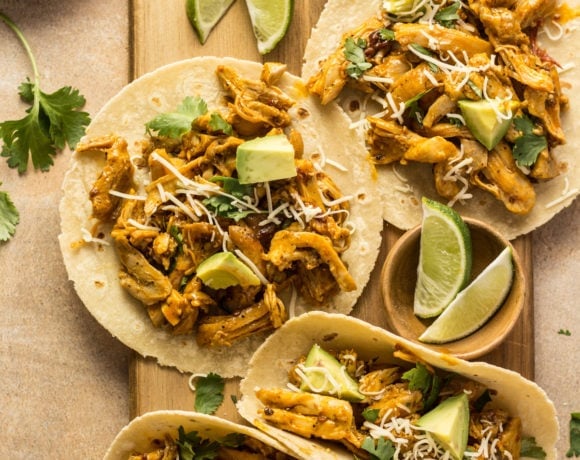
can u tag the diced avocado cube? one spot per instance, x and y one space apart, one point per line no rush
224 269
482 120
449 424
325 375
265 159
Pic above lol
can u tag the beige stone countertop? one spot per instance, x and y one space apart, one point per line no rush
64 386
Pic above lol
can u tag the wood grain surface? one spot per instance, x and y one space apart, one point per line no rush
161 34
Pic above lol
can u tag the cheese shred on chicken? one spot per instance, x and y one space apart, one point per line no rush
422 57
290 233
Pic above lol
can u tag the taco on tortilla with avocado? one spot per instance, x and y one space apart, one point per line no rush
211 200
173 434
468 103
351 388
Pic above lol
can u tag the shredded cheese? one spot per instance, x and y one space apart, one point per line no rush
127 196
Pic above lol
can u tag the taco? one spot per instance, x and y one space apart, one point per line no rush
172 434
184 258
462 102
352 388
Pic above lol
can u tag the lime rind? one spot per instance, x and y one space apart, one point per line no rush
205 14
444 259
476 304
270 21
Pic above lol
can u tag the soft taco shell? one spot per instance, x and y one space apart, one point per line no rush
94 268
401 207
269 366
139 435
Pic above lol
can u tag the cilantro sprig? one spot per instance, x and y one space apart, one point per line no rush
529 145
574 449
9 216
177 123
193 447
52 121
382 449
224 205
355 54
209 393
429 384
448 16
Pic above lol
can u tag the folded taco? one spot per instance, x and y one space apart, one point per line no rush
174 434
357 391
211 200
468 103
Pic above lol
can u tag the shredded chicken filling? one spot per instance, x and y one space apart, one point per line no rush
291 233
419 63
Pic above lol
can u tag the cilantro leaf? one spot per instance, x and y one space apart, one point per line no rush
370 415
224 205
175 124
448 15
217 123
530 449
386 34
209 393
427 383
426 52
52 121
383 449
354 53
529 145
9 217
565 332
233 440
574 435
193 447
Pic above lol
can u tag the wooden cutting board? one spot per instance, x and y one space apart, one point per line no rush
161 34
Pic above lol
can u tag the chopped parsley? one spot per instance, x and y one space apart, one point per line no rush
529 145
9 217
52 121
209 393
574 435
355 54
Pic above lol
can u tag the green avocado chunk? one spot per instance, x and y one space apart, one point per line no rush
449 424
326 376
224 269
265 159
482 120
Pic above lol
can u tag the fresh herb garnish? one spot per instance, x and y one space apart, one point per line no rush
194 447
574 435
9 217
370 415
355 54
529 145
382 449
476 89
480 402
386 34
565 332
427 383
175 124
224 205
530 449
217 123
209 393
448 16
426 52
52 121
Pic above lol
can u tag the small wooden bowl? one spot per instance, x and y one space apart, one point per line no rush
399 276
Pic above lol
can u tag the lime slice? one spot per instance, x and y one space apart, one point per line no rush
444 259
205 14
270 21
475 304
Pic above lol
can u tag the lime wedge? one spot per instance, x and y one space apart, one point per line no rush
205 14
270 21
475 304
444 259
